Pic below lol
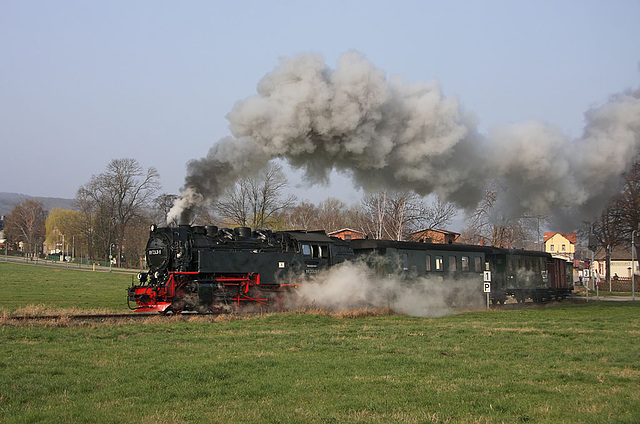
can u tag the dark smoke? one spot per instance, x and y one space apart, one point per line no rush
388 133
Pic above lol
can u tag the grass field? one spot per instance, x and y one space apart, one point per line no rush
55 288
562 363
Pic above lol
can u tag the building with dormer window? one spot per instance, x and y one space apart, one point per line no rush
561 245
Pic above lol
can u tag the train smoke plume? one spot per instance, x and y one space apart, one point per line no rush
388 133
354 285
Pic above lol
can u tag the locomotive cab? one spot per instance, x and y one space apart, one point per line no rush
316 249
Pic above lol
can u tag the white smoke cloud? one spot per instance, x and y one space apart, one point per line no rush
388 133
542 170
354 285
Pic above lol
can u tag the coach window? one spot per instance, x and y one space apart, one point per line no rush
453 263
318 251
315 250
428 263
465 264
477 264
439 266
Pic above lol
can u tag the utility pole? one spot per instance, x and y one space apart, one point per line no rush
633 265
593 245
608 253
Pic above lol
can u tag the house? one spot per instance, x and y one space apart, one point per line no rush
347 234
620 262
561 245
434 236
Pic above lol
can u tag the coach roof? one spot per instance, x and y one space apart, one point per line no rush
409 245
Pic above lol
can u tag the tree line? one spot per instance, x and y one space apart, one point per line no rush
114 209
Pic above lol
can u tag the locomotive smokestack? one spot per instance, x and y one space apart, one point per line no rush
387 133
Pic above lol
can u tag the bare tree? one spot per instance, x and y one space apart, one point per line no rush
332 214
89 226
627 204
115 198
26 224
161 207
396 214
437 215
256 201
621 216
407 212
374 214
486 225
303 216
235 205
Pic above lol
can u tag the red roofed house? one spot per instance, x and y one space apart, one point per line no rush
434 236
561 245
347 234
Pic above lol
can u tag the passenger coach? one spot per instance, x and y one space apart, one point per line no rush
426 259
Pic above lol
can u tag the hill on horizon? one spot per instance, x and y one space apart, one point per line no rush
9 200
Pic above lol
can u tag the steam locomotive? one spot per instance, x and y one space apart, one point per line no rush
209 269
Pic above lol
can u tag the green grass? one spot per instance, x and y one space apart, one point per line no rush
567 363
54 288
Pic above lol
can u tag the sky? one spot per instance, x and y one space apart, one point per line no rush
82 83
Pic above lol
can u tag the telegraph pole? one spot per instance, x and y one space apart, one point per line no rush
633 265
593 245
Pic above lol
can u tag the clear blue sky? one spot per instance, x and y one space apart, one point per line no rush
84 82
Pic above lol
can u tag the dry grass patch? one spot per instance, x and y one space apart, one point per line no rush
346 314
